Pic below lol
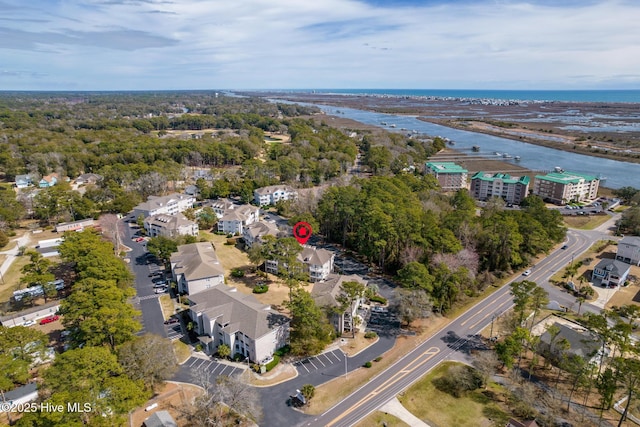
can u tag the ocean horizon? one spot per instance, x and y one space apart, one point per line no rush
625 96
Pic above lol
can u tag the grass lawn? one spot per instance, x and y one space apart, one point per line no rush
11 278
182 351
168 308
585 222
381 419
472 410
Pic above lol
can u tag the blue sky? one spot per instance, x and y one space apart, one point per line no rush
267 44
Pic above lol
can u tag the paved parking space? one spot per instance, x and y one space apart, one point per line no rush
214 368
320 361
174 332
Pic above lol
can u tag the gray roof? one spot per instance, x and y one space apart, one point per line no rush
313 256
325 292
155 202
20 392
259 229
169 222
630 240
240 312
582 343
238 213
273 188
616 267
160 419
196 261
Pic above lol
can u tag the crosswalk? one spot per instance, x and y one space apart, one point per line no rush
146 297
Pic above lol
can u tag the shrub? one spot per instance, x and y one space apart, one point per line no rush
283 351
377 359
370 335
237 273
377 298
260 289
308 391
269 366
230 242
367 364
198 347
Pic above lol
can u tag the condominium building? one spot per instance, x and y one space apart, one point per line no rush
272 194
170 226
195 268
511 189
449 175
561 187
170 205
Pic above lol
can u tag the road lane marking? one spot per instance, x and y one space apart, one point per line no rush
491 313
430 353
492 310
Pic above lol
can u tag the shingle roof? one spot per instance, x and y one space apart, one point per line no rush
196 261
155 202
239 312
582 343
613 265
273 188
325 292
259 229
630 240
160 419
314 256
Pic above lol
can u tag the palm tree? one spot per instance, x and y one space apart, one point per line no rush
580 301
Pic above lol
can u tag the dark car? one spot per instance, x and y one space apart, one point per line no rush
172 321
564 247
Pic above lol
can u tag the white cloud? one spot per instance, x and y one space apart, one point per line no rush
147 44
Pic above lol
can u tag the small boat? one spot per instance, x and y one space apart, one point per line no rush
392 125
475 148
506 156
383 123
498 154
558 169
517 158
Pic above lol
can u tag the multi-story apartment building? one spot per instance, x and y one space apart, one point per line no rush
170 226
170 205
449 175
563 187
272 194
317 262
511 189
222 315
195 268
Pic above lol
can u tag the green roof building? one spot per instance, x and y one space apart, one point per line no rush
511 189
562 187
449 175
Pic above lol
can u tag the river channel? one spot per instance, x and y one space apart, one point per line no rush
614 173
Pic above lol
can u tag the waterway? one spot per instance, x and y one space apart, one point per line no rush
615 174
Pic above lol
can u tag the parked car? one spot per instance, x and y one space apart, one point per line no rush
161 290
49 319
172 321
140 239
526 272
29 323
161 284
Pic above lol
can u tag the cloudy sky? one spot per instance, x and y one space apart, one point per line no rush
267 44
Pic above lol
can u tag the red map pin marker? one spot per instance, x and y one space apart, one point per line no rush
302 232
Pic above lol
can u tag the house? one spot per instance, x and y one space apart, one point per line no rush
21 395
515 423
170 205
23 181
48 180
610 272
160 419
170 225
327 293
511 189
272 194
192 190
254 233
580 341
629 250
75 225
561 187
318 263
235 218
222 315
449 175
195 268
88 178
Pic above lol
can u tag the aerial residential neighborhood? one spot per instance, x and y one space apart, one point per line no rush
194 276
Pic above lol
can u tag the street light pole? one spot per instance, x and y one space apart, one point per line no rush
346 372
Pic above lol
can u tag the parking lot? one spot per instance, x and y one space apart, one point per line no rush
320 361
213 367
